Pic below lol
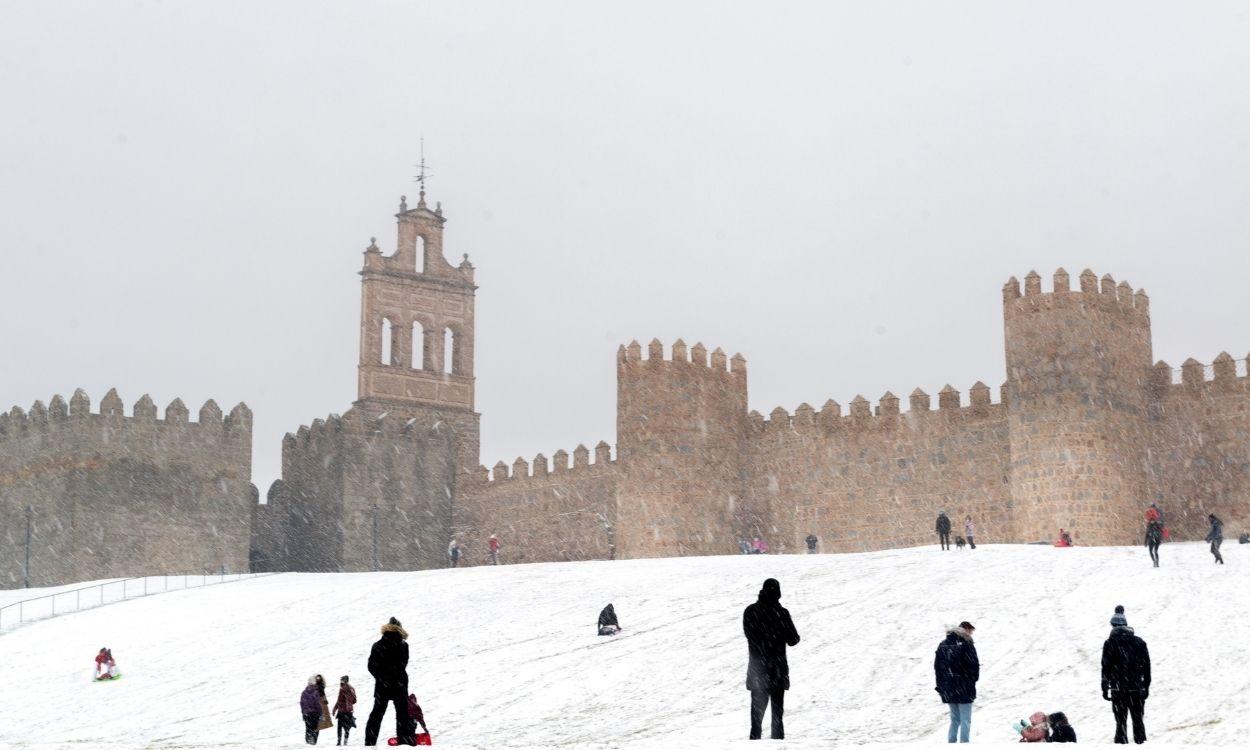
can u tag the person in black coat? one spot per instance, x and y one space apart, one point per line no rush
1216 537
811 541
608 624
944 530
388 663
768 629
956 670
1126 677
1060 729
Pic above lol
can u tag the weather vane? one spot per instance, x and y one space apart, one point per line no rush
421 174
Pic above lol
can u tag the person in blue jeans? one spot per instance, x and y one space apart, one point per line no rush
956 670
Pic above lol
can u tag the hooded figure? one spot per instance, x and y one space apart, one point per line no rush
1060 729
956 670
310 709
607 621
768 629
1126 677
1036 728
388 663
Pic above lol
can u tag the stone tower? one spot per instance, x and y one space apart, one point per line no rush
416 332
1078 385
681 426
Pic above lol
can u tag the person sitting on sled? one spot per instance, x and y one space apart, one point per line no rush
1036 729
415 717
608 624
105 667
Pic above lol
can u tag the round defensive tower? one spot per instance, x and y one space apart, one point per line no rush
1078 375
681 423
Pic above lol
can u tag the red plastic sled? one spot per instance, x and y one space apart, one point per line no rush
422 739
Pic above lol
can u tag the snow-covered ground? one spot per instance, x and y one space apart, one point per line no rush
507 657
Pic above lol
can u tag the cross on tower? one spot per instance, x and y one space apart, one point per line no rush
422 176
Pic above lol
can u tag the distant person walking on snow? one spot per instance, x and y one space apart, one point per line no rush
344 709
1126 677
944 530
493 545
1154 537
970 530
811 541
1216 537
768 629
388 663
310 709
956 670
608 624
453 553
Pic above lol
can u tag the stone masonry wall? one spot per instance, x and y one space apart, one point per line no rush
1199 454
868 481
117 496
361 494
560 513
681 431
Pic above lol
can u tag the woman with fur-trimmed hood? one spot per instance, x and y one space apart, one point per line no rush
310 709
956 670
388 663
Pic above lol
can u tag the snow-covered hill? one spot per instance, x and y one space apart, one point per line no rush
508 656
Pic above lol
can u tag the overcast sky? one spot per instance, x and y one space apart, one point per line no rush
835 190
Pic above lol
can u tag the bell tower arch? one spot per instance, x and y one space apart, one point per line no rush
417 310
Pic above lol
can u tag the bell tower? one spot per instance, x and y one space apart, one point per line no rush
416 331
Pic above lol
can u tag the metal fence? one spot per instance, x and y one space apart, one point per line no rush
111 592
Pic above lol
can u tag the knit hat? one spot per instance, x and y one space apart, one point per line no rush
1118 620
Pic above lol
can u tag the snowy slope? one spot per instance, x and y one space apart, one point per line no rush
508 657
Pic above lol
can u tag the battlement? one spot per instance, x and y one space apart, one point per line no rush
864 417
1193 377
1104 292
559 464
76 418
356 423
695 359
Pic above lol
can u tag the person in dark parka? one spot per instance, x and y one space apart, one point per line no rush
1126 677
1060 729
956 670
1216 537
768 629
944 530
608 624
388 663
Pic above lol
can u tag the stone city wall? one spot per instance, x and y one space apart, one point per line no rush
117 496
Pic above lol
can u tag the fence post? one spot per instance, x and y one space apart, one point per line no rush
78 596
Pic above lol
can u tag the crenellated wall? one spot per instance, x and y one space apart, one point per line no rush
114 496
1199 451
554 512
360 493
876 478
681 429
